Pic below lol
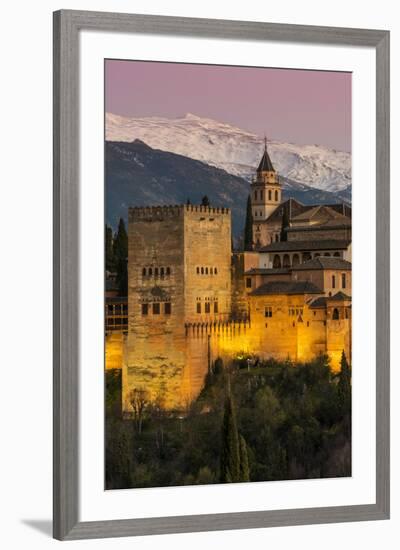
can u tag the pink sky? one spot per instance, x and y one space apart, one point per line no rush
305 107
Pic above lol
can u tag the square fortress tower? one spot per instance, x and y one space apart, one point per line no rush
179 271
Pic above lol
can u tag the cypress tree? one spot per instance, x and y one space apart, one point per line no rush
248 228
230 458
244 460
344 384
109 253
121 258
205 201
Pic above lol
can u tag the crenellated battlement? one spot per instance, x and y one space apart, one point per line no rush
148 213
206 209
137 213
217 327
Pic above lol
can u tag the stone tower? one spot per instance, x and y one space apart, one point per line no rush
179 260
266 190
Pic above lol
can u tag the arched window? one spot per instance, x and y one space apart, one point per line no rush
277 262
197 270
156 271
343 280
269 195
162 272
327 254
202 270
144 272
169 271
215 271
296 260
261 195
276 237
306 256
276 196
150 272
337 254
335 314
206 270
255 195
286 260
333 281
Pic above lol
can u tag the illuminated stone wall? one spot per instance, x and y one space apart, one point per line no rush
178 271
297 331
115 343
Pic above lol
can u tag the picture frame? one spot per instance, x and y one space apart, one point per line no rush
67 26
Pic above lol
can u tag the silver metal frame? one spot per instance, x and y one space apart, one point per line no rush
67 25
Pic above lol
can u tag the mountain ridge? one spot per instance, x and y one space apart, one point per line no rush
138 175
235 150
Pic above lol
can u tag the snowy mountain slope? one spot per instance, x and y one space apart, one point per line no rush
235 150
137 175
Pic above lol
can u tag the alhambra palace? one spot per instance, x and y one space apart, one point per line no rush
191 299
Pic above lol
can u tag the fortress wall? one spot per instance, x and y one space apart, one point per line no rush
114 350
155 358
207 248
338 339
240 263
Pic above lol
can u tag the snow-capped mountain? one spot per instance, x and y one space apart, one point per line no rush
137 175
235 150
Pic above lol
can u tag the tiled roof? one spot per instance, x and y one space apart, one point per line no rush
289 246
321 209
340 296
268 271
324 262
342 208
318 302
286 287
293 208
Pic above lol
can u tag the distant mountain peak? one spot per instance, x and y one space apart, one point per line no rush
235 150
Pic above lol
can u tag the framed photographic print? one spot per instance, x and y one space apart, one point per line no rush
221 345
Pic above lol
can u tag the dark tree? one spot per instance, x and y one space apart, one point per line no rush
248 228
121 258
188 202
230 458
244 460
205 201
344 384
285 225
109 252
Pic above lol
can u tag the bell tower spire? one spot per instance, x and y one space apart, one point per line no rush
266 189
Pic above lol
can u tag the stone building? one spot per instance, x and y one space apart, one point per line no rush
191 299
179 272
274 218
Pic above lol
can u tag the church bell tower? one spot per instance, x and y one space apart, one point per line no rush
266 190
